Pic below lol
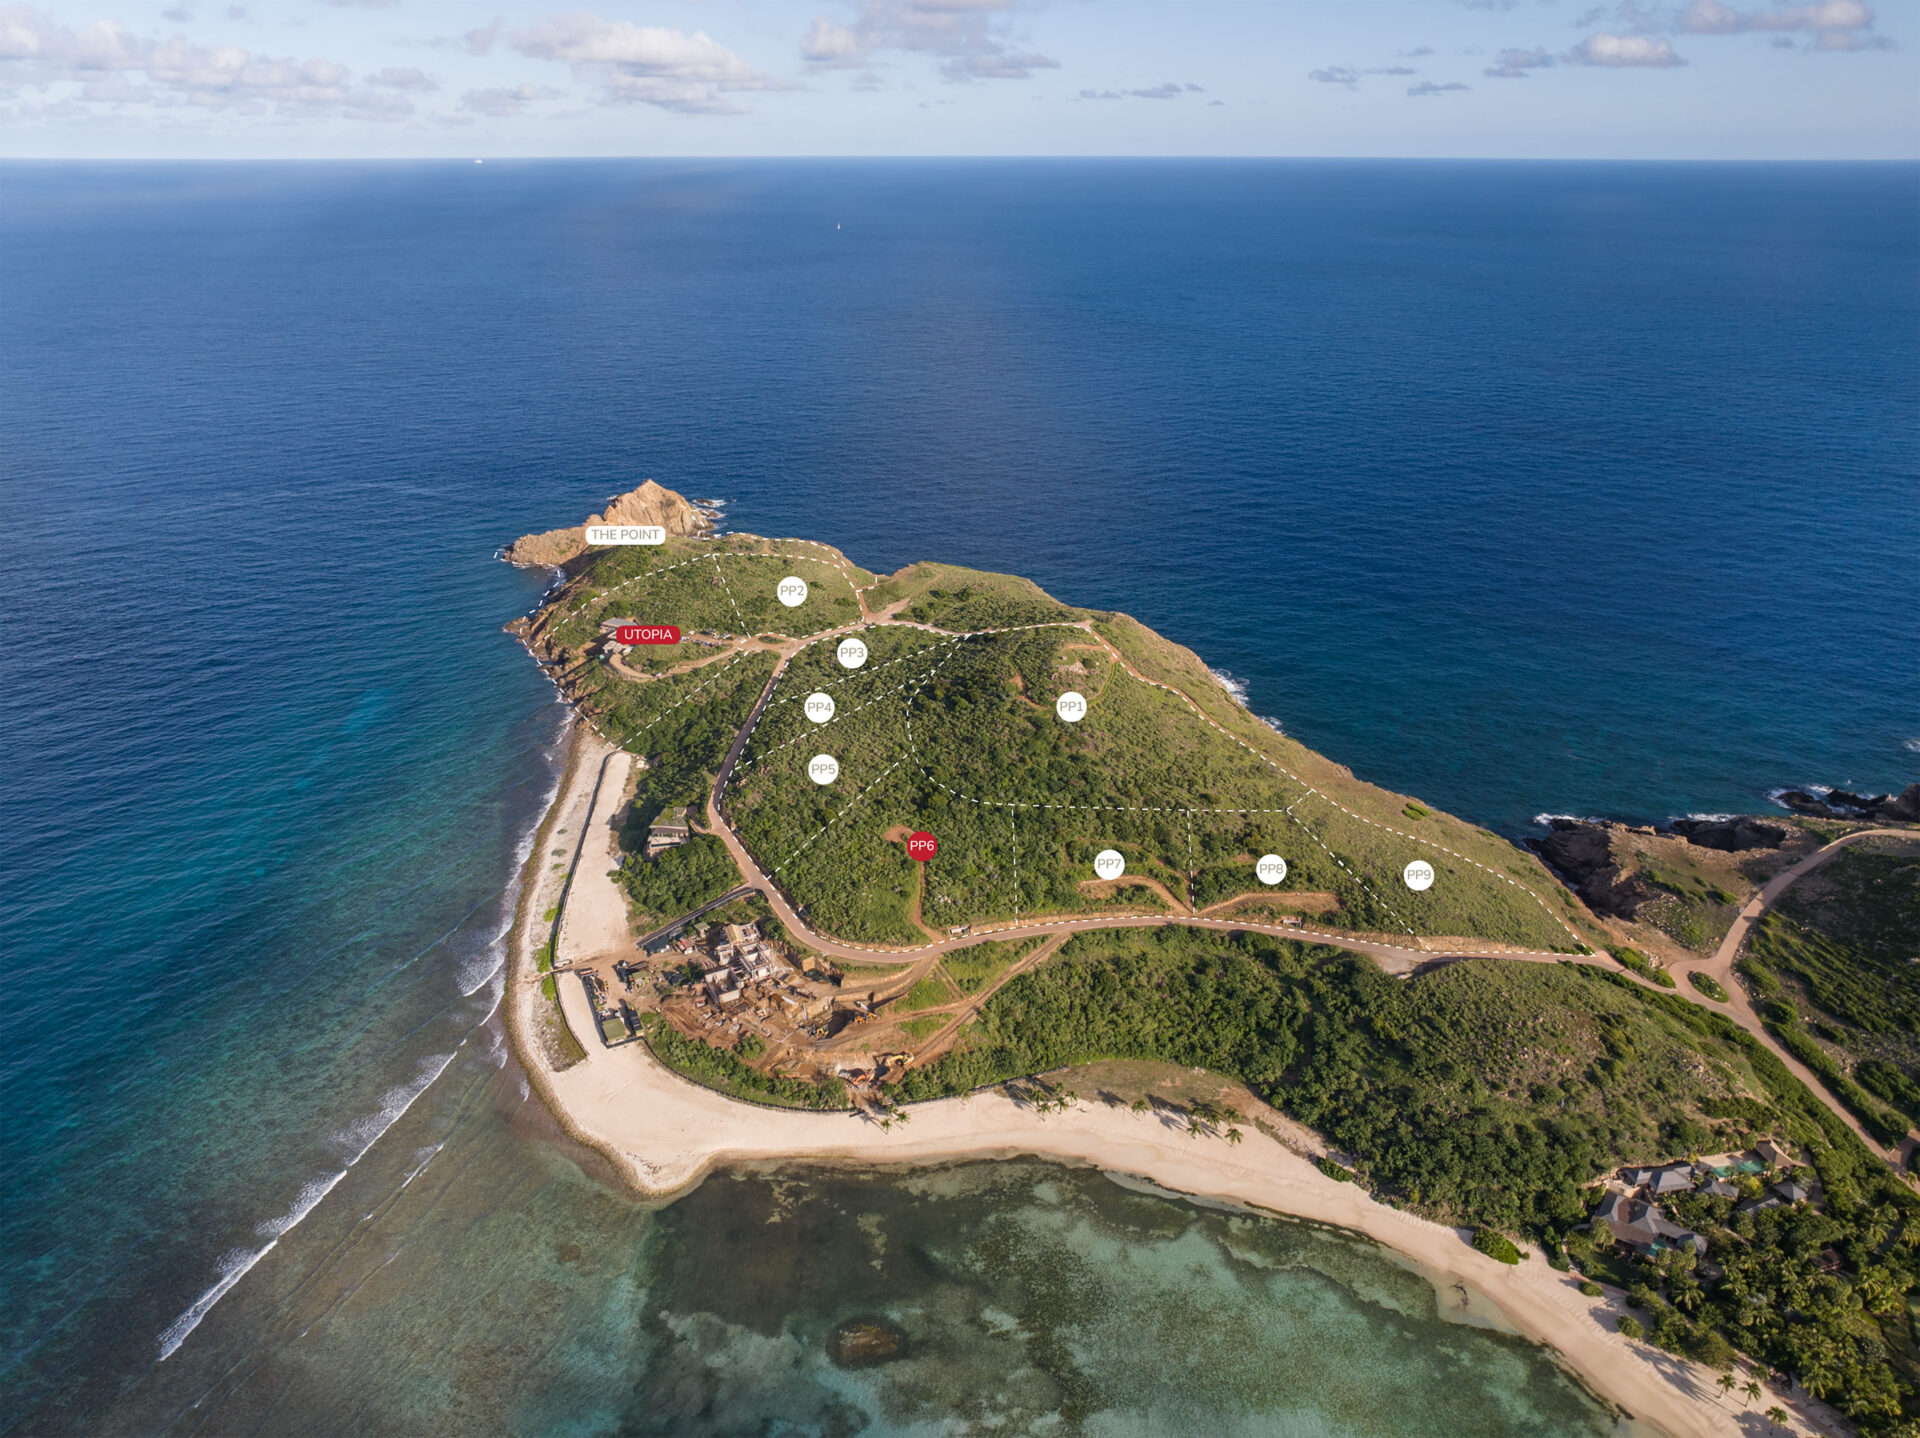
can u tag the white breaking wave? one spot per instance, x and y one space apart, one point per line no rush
475 972
358 1136
1235 687
1913 744
1545 821
363 1133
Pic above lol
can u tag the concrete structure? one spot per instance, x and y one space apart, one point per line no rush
669 831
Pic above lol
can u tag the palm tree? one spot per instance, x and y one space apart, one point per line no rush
1817 1375
1752 1390
1727 1382
1233 1135
1776 1417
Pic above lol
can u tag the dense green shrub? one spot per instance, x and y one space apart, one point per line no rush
681 879
1591 1289
1496 1245
717 1068
1643 966
1887 1128
1630 1327
1708 985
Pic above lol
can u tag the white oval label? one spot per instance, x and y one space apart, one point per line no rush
1071 706
819 707
1271 869
1108 864
792 591
626 534
853 653
823 769
1419 875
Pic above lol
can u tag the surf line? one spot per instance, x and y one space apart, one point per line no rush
238 1262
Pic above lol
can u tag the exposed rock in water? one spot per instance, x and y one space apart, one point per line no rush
1732 836
1582 854
1901 808
865 1343
649 504
1802 802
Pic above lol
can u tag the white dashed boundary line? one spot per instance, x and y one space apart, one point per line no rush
1120 661
1189 812
727 589
838 562
865 789
1373 823
767 754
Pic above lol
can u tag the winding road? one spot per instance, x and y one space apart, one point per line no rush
1393 957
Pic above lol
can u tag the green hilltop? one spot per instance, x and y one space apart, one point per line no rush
950 727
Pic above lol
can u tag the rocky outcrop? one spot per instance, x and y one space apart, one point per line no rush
1582 854
649 504
866 1343
1901 808
1731 836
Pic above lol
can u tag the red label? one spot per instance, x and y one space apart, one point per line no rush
922 846
647 634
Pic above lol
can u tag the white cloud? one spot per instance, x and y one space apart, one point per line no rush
505 101
831 46
1621 52
1168 91
1830 24
1336 75
406 79
1844 40
104 57
1711 17
970 37
1427 87
480 42
1514 64
645 65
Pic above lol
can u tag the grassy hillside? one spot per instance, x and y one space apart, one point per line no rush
1835 969
725 585
959 736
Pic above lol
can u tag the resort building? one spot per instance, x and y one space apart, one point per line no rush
1671 1178
1642 1226
669 831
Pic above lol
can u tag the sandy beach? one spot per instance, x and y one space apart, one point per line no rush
665 1133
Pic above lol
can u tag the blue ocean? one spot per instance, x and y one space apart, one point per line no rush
1523 488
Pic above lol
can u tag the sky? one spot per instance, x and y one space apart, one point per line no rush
1629 79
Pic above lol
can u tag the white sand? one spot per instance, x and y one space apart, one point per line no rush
666 1133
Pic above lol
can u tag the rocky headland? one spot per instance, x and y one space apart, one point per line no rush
649 504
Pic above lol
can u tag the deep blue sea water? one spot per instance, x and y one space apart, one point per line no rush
1522 488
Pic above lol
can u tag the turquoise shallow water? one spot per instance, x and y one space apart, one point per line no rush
1523 488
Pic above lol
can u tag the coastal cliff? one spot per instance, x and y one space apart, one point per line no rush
649 504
